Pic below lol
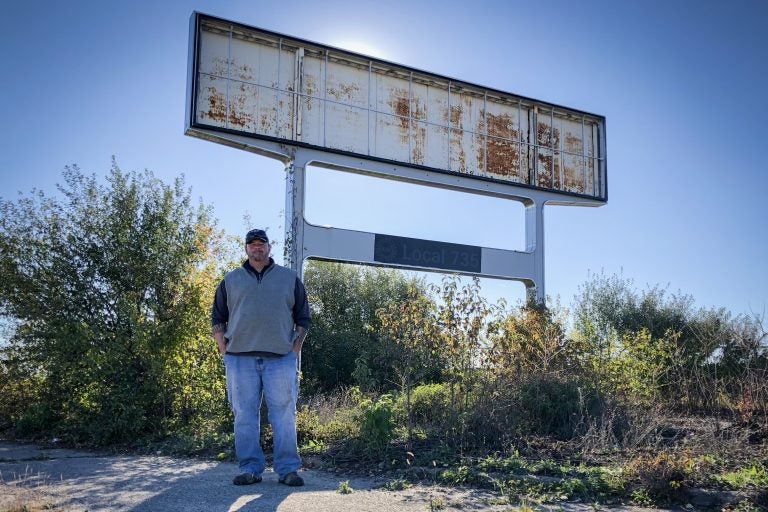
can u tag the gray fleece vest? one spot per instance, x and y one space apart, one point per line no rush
260 313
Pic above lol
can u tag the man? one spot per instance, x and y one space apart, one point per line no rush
260 318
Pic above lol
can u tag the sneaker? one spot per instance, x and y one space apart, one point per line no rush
292 480
246 479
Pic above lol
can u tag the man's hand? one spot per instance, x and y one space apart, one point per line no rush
221 342
301 334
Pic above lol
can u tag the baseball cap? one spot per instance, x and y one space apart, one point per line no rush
256 234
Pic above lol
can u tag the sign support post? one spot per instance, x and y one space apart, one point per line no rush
534 244
295 198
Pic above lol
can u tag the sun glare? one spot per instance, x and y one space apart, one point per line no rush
361 47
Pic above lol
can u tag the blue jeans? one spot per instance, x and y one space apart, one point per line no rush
248 377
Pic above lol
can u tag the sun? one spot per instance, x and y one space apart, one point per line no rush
362 47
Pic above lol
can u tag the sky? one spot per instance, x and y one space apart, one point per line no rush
682 85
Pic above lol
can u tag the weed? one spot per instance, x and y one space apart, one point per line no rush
186 444
743 506
25 493
398 484
465 475
548 468
430 404
345 488
641 498
313 447
377 426
512 465
665 477
604 483
495 502
524 507
434 455
755 476
326 424
436 503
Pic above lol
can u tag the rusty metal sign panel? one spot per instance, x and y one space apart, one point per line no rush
269 86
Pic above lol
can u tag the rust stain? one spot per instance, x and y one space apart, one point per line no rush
265 127
503 158
503 152
500 126
457 148
481 164
217 106
419 141
457 133
344 91
573 179
399 103
573 143
419 111
239 116
220 66
573 174
456 112
349 90
544 135
462 160
244 72
310 87
544 174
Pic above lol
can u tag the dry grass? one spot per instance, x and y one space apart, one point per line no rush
26 492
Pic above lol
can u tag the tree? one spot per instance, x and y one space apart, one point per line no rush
344 346
462 315
632 336
644 343
410 335
531 340
110 288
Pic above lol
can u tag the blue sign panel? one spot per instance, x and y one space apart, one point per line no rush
414 252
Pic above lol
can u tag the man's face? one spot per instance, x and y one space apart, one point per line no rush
257 251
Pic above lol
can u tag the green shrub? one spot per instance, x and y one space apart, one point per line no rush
313 447
398 484
110 331
514 464
665 478
754 476
343 424
37 419
430 404
377 425
551 406
345 488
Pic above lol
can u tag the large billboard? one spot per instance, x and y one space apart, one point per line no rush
268 86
